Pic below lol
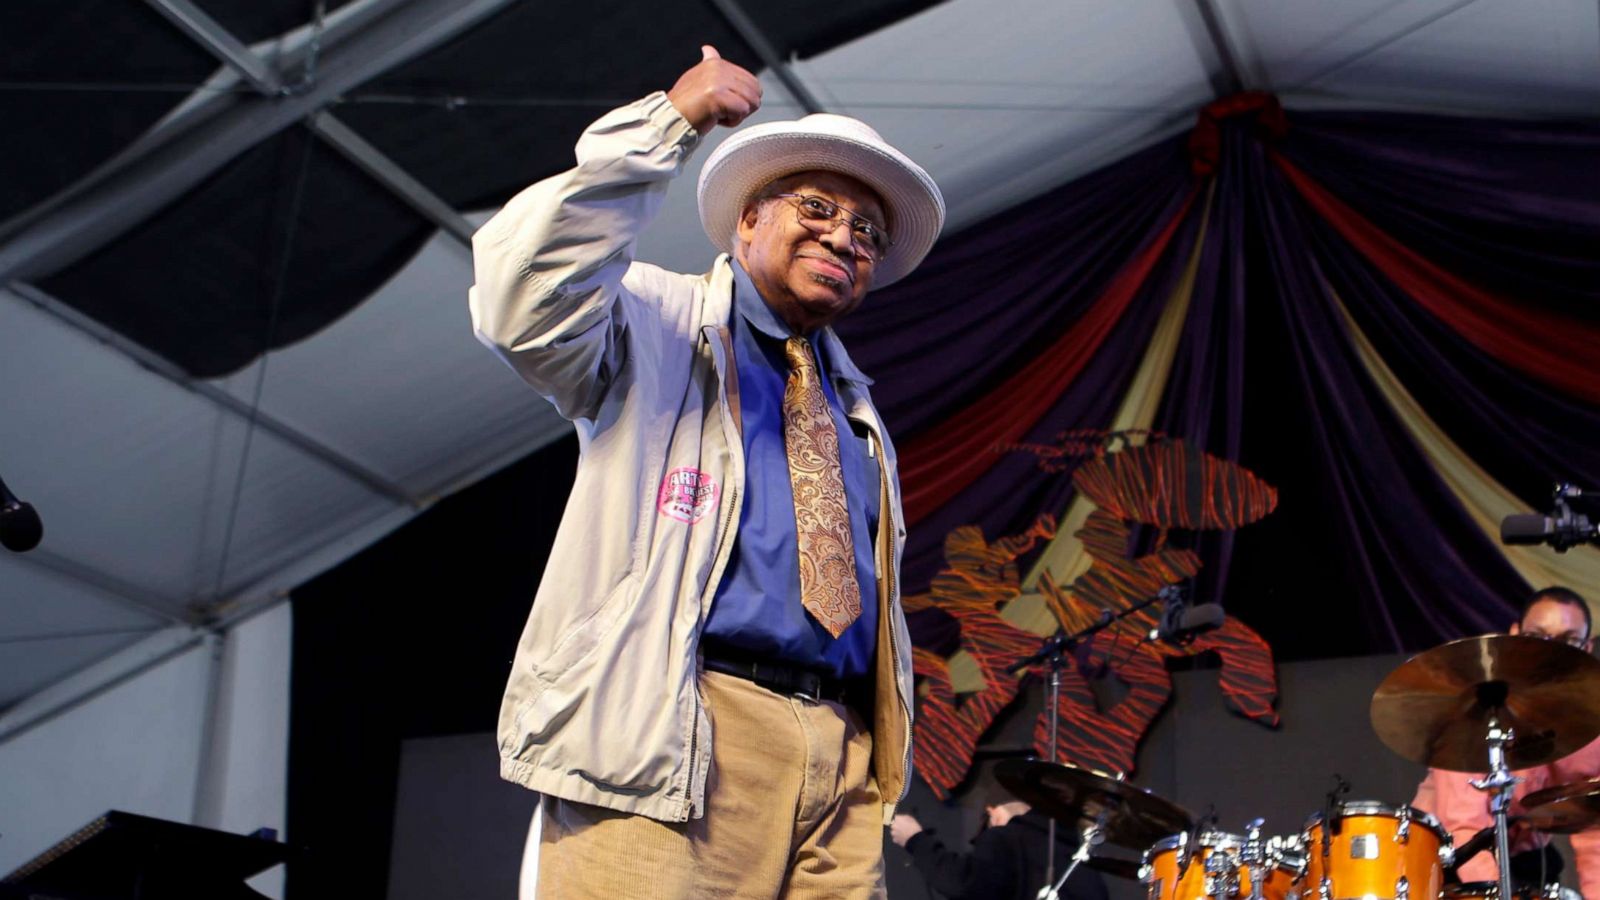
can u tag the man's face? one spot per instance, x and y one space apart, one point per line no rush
1556 621
809 279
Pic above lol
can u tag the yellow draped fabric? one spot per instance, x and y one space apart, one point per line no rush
1064 557
1484 499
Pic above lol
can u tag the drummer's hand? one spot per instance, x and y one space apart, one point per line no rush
715 92
903 828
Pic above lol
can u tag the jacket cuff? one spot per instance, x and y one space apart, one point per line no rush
674 128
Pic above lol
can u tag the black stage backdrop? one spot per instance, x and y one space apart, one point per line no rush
411 638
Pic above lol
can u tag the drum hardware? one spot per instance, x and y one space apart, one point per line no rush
1254 858
1092 836
1490 890
1330 811
1115 866
1221 875
1106 808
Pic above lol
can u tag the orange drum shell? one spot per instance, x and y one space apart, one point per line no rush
1163 882
1366 861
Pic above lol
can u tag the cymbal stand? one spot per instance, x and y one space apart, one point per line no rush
1053 652
1499 784
1093 835
1057 660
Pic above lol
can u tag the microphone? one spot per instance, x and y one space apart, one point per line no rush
20 528
1190 623
1561 529
1181 623
1532 528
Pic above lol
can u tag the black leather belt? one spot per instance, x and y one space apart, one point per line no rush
780 679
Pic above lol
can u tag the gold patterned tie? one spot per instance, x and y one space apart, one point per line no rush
828 585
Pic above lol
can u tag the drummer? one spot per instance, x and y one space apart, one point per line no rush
1555 614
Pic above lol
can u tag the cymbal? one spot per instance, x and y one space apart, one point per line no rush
1565 808
1134 817
1434 709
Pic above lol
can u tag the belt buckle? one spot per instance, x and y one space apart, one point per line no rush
813 693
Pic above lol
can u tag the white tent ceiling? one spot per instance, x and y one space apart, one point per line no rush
170 502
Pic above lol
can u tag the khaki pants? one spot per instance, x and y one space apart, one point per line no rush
792 811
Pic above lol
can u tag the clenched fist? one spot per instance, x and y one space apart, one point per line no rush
715 92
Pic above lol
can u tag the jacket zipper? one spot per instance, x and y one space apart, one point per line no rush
722 540
894 641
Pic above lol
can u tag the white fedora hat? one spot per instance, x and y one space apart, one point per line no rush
755 157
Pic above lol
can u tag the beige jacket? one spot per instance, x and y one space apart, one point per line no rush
602 705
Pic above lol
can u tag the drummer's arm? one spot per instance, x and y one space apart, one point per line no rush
1429 799
960 875
1586 855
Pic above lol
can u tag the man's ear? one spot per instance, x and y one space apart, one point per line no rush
748 220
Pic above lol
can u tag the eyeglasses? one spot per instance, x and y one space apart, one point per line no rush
822 215
1570 638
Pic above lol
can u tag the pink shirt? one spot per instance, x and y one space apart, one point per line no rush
1464 810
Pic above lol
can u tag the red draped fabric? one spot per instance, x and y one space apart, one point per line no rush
1540 342
941 463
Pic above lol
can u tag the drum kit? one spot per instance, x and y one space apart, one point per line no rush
1485 704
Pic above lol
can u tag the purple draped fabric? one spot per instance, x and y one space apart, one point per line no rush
992 296
1369 550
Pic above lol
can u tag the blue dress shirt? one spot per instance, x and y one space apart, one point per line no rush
757 611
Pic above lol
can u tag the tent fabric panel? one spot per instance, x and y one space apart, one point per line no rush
83 79
156 513
475 133
197 283
36 664
409 347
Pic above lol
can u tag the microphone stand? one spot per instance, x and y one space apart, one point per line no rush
1053 653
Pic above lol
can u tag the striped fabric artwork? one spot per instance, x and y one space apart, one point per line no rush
1160 485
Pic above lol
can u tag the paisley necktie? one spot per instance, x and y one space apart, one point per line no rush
828 586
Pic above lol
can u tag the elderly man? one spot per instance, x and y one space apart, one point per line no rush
713 690
1554 614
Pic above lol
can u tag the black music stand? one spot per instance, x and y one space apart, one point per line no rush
121 856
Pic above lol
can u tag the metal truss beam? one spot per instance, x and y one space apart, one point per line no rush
753 35
194 22
362 40
392 176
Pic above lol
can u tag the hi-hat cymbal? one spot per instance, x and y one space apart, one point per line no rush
1565 808
1133 817
1434 709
